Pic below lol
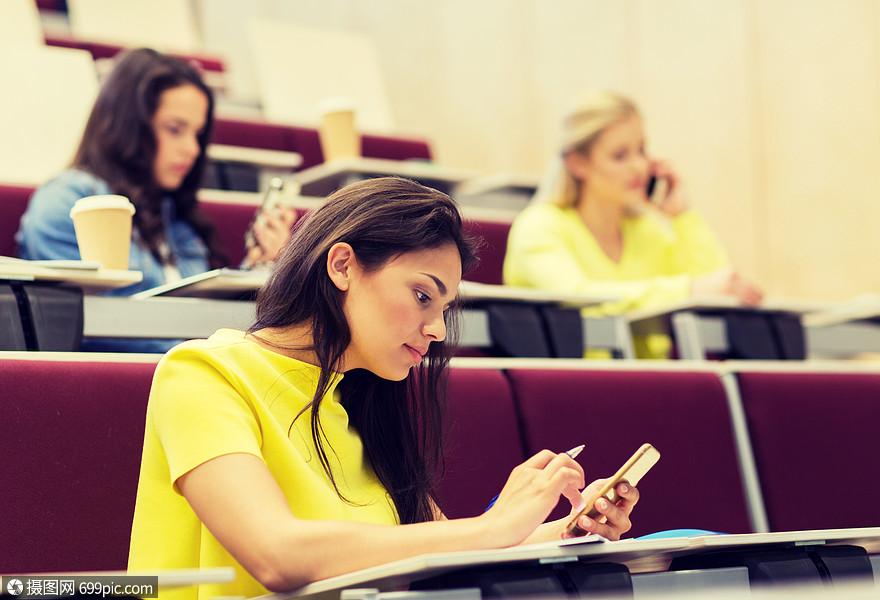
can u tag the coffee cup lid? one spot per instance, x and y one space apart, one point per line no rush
101 202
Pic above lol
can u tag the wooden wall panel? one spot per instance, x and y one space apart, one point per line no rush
820 143
576 48
479 88
692 68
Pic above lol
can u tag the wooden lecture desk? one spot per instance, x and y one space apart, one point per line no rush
698 326
846 328
647 560
197 306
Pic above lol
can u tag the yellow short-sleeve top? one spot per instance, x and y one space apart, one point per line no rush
228 395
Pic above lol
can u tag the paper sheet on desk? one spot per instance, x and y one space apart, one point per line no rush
591 538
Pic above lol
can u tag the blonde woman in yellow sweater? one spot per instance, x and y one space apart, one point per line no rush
592 228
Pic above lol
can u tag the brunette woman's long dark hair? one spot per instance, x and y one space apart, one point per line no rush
119 146
399 421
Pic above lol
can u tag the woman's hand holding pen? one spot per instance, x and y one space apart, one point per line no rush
531 492
615 521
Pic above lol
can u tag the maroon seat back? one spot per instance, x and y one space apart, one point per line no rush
13 202
231 222
251 134
695 485
482 441
305 141
395 148
100 50
814 436
491 252
71 446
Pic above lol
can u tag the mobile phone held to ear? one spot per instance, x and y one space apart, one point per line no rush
652 183
656 189
631 472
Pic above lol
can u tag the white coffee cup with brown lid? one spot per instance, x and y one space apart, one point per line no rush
103 229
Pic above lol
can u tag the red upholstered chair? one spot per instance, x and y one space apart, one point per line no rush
56 5
13 202
231 221
304 140
251 134
307 142
395 148
70 457
482 441
491 253
103 50
696 484
814 436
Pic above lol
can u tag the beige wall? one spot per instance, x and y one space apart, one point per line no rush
770 109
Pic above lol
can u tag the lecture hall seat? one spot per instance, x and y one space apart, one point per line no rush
482 441
814 437
493 235
256 133
105 50
13 202
70 455
695 485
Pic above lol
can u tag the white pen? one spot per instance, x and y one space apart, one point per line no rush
575 451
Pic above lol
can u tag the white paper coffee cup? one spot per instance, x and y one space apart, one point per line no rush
103 229
338 132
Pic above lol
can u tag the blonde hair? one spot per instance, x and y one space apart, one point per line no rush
580 129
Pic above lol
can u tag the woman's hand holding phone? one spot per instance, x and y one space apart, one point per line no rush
271 231
666 193
608 502
612 520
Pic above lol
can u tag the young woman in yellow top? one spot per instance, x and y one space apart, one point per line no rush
591 228
306 447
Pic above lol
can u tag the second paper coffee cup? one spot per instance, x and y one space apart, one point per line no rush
338 132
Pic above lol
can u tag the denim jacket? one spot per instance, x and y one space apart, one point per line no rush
46 232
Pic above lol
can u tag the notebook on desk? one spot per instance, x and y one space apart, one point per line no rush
219 284
50 264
